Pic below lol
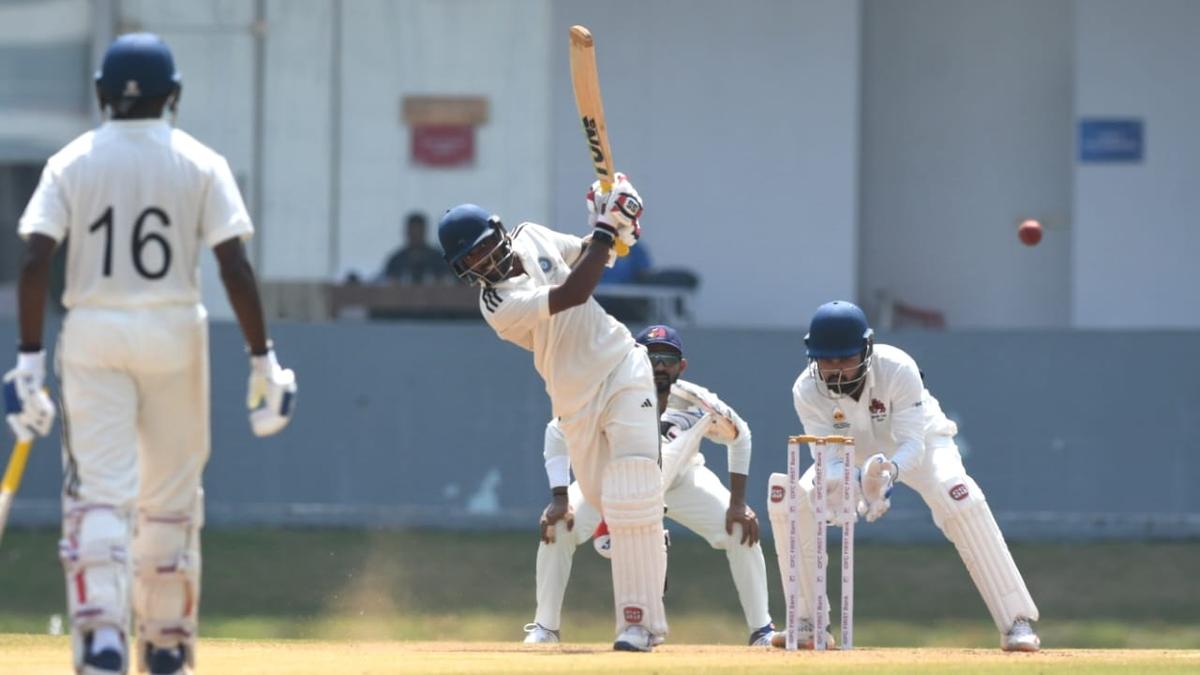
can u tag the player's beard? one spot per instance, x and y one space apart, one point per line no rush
663 382
846 387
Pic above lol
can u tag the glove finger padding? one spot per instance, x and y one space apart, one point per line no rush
271 395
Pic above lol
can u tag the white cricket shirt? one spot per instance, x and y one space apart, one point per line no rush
135 199
574 350
895 415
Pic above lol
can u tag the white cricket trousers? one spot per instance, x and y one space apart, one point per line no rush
135 406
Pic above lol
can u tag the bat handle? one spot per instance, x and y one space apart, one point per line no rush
16 467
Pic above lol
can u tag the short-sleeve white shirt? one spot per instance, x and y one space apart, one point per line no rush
135 201
573 350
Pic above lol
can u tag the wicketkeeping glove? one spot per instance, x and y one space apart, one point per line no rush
878 479
271 395
27 406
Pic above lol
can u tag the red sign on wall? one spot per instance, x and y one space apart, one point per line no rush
443 145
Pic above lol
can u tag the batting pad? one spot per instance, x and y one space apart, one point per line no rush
94 554
806 527
632 494
166 566
968 523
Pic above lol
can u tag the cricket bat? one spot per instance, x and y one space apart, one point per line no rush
12 479
586 81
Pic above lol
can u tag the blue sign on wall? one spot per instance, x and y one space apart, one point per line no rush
1111 140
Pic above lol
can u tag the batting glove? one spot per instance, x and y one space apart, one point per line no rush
616 213
271 395
27 405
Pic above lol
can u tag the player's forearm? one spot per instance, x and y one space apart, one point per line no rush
583 279
32 287
737 488
242 289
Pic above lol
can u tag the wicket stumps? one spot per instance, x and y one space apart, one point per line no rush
845 518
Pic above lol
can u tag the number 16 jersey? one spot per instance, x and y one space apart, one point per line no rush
135 199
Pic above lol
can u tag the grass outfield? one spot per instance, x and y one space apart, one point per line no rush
271 584
30 655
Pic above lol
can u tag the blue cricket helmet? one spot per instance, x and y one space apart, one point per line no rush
466 226
838 329
137 65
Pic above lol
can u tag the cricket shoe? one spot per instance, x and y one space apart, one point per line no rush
166 660
634 639
804 639
103 662
537 634
108 661
1021 638
763 636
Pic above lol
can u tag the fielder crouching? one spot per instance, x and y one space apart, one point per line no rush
875 394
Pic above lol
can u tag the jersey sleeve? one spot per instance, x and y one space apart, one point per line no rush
811 417
223 215
512 311
554 451
908 416
739 448
569 246
47 212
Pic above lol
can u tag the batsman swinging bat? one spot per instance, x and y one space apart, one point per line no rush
12 479
586 81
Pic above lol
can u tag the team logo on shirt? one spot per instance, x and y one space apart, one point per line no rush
959 492
878 410
544 263
777 493
491 299
839 419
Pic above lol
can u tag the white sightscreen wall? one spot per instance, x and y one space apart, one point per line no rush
738 123
497 50
297 140
1137 226
214 52
967 129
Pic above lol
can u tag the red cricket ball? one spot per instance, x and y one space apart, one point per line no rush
1030 232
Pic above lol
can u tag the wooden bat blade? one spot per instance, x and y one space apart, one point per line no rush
585 80
581 36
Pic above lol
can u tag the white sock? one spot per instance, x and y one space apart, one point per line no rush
106 637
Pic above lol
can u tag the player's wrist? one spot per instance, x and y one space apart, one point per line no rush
604 234
559 491
261 350
33 362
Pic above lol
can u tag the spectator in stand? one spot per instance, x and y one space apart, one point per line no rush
416 262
